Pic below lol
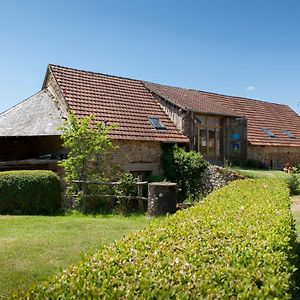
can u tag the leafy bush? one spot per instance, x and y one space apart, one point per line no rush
252 163
295 169
184 168
29 192
127 187
238 243
293 184
155 178
255 164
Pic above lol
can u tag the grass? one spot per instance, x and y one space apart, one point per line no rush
35 247
260 173
296 213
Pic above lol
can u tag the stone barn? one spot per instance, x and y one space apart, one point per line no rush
30 136
223 128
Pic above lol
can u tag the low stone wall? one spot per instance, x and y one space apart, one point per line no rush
215 177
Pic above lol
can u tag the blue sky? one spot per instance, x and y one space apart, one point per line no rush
234 47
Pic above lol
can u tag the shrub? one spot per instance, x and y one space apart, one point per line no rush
296 169
252 163
29 192
184 168
155 178
127 187
293 184
236 244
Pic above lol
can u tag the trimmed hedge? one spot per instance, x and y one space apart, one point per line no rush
29 192
237 244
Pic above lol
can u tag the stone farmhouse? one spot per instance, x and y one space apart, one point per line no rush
148 115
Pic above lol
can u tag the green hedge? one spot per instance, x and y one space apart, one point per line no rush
236 245
29 192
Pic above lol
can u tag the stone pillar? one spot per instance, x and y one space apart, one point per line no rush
162 198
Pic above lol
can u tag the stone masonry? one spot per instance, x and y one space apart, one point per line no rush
274 156
138 156
215 177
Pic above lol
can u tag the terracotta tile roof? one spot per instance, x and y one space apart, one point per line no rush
116 99
259 114
197 101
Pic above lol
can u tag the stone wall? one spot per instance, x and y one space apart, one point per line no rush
137 156
274 156
215 177
54 88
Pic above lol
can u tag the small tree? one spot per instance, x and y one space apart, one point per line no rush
84 139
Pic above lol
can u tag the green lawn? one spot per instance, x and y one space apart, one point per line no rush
296 213
258 173
35 247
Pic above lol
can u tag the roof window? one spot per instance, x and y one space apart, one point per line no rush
289 134
156 123
269 133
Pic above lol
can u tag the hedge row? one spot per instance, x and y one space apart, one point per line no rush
237 244
29 192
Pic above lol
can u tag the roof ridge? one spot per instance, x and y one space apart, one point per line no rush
170 86
213 93
161 94
96 73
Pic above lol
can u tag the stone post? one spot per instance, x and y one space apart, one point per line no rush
162 198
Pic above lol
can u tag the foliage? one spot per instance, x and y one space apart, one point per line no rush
127 187
252 163
238 243
155 178
295 169
293 184
85 139
255 164
184 168
29 192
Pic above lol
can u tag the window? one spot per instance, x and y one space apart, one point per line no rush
208 137
211 121
156 123
207 121
200 119
269 133
289 134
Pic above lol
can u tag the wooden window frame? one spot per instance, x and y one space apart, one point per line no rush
208 127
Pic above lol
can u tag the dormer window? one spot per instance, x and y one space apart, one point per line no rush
269 133
289 134
157 123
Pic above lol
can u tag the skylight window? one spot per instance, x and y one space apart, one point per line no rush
289 134
269 133
156 123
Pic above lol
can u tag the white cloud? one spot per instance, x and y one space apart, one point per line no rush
250 88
